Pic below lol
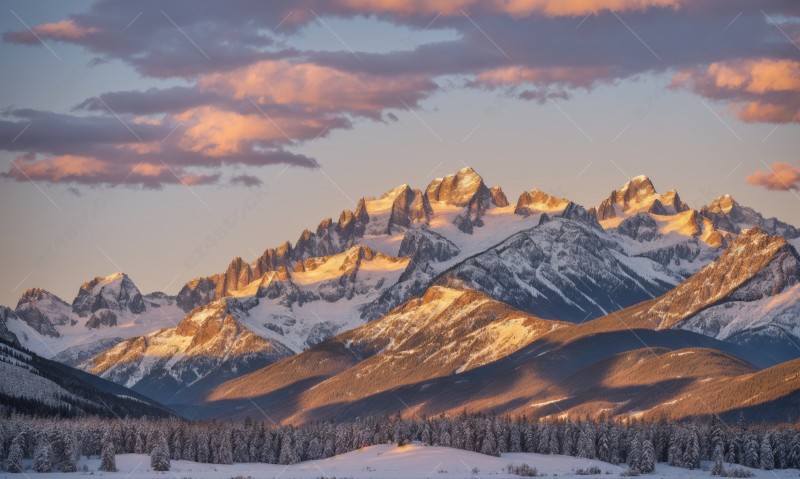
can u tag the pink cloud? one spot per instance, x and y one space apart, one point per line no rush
148 169
781 176
758 90
62 30
216 132
57 168
514 8
318 87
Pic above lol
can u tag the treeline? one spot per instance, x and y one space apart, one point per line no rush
57 444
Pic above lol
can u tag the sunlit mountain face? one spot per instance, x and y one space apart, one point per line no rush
354 237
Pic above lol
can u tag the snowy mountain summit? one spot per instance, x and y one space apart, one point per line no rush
115 293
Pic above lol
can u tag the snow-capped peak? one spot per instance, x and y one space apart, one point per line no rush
118 276
723 204
115 292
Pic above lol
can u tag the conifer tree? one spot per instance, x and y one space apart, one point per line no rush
287 451
719 468
766 458
108 460
43 455
489 446
71 453
159 456
225 452
444 439
139 446
648 461
203 446
794 451
176 448
750 458
635 454
15 454
314 452
516 438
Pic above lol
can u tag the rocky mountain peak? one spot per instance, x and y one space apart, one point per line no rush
361 211
724 204
115 292
638 187
396 191
639 195
499 197
43 311
753 266
38 294
728 215
463 188
535 200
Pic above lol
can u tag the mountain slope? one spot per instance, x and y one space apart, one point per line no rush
630 362
562 269
750 295
209 346
30 384
105 311
445 332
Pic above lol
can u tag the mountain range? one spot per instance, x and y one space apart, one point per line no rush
452 298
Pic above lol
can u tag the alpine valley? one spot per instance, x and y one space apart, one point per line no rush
447 299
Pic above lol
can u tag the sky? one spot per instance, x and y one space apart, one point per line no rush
163 139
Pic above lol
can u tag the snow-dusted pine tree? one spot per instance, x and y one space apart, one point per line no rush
635 453
108 460
203 446
516 439
794 451
691 455
287 451
717 457
766 458
648 462
14 460
489 446
176 448
444 439
159 456
70 454
586 446
240 453
139 447
43 455
225 452
750 458
603 445
314 452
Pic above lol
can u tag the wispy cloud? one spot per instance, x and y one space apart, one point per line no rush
779 176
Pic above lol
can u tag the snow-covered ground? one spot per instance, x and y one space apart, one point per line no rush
388 462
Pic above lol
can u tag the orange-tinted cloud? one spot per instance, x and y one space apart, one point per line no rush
781 176
317 87
57 168
62 30
759 90
543 83
515 8
148 169
215 132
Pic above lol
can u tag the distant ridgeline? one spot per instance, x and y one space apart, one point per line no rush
34 386
638 444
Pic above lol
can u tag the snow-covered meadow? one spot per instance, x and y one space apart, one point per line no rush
413 461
